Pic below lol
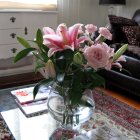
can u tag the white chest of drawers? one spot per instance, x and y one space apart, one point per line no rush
23 24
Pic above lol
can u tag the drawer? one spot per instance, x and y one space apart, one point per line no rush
10 36
11 20
7 51
40 20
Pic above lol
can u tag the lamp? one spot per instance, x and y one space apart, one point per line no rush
112 3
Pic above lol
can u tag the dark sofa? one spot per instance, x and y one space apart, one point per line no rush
128 80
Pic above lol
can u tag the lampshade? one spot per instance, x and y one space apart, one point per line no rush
112 2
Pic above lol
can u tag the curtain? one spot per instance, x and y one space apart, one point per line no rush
83 11
50 5
75 11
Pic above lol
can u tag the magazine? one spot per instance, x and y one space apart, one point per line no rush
34 108
25 95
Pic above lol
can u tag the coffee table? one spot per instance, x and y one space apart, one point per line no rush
34 128
42 126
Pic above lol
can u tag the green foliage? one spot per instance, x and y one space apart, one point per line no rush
39 37
76 91
42 48
23 42
38 65
23 53
46 82
78 58
63 60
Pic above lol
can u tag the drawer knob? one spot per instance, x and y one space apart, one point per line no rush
13 35
14 50
12 19
26 30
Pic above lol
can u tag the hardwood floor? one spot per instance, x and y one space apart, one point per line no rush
131 100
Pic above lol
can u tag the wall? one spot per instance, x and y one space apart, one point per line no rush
84 11
130 8
89 11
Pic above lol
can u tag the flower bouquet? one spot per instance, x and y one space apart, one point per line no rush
71 57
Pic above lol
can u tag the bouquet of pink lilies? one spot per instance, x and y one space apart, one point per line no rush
72 54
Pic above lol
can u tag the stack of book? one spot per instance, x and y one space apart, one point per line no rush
29 106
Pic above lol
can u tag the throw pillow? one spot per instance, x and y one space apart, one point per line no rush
133 34
116 27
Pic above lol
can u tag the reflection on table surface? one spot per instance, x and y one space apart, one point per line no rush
34 128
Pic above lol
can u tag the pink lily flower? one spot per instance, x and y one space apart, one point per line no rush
64 38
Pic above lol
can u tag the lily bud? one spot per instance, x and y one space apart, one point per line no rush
78 59
50 70
120 51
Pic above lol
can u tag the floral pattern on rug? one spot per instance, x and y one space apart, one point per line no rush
5 133
118 111
100 119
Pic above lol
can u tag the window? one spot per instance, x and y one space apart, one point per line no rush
29 4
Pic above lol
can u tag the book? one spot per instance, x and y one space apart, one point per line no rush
25 95
34 108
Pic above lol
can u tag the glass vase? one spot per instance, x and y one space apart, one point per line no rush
69 116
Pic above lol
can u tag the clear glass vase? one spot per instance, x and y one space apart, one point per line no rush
68 115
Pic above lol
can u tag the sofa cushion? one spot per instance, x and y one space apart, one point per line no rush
133 51
116 27
133 34
119 80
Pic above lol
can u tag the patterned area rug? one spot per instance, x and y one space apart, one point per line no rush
124 116
109 110
5 133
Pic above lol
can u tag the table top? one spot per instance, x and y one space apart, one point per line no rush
42 126
34 128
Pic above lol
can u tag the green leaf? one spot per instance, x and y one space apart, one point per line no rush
98 80
93 80
46 82
44 48
120 52
23 53
44 56
38 65
39 37
77 91
23 42
63 60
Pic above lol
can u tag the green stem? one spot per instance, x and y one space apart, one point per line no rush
38 57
